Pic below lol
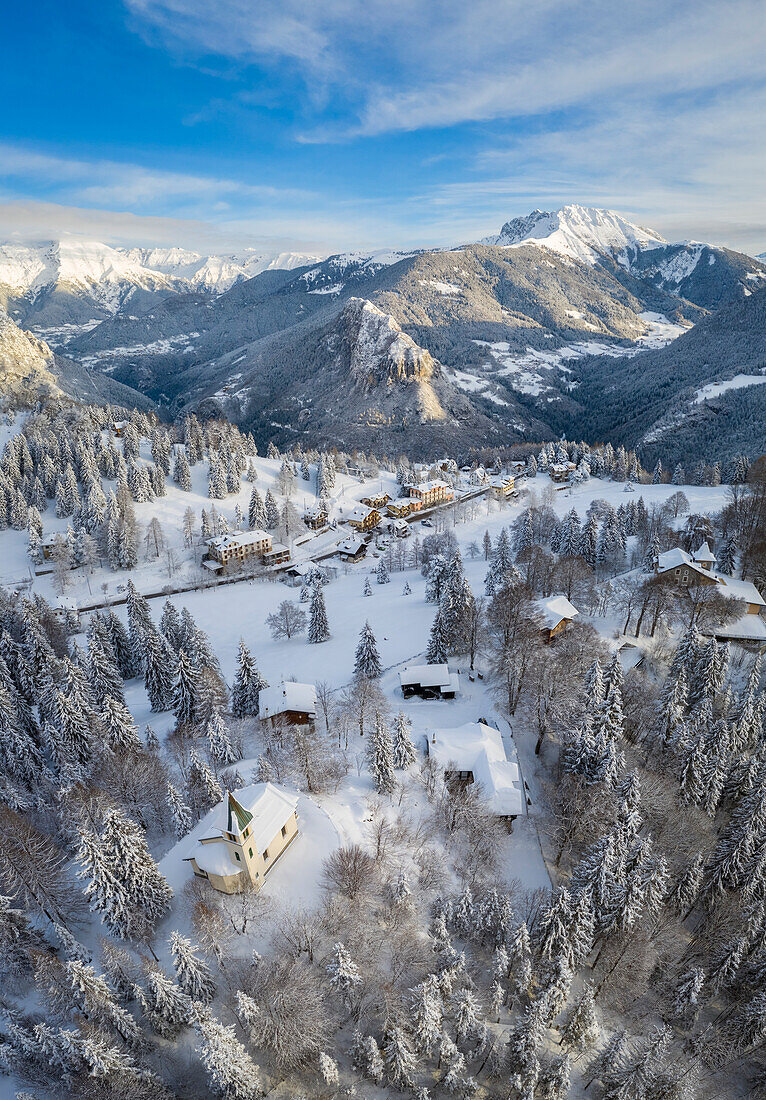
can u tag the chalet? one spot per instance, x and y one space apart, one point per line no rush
517 467
686 569
353 549
502 487
362 518
237 844
431 492
561 471
315 518
399 508
557 614
118 427
401 528
376 500
429 682
474 753
236 548
288 702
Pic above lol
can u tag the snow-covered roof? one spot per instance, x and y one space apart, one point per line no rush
704 553
360 513
428 486
268 807
739 590
429 676
304 569
352 546
732 587
478 748
285 697
748 628
555 609
673 559
241 538
66 603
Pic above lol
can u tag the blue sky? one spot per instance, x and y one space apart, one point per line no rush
340 124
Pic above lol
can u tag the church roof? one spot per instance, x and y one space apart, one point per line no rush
239 818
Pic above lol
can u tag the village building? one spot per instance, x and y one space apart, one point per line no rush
561 471
289 703
400 528
431 492
399 508
474 753
238 843
233 549
315 518
502 487
429 682
353 549
699 568
376 500
557 614
362 518
277 555
118 427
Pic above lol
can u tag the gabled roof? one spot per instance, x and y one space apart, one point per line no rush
287 696
556 609
268 808
478 748
429 676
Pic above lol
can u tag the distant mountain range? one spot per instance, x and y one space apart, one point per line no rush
573 320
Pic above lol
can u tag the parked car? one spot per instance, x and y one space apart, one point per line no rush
426 523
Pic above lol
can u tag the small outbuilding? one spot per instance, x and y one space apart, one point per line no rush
557 614
429 682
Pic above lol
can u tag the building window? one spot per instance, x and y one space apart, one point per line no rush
251 852
284 830
266 854
236 856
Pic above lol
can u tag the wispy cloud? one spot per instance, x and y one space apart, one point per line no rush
132 186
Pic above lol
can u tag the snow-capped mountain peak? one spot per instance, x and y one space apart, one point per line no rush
580 232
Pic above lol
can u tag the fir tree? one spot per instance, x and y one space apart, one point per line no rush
367 590
381 757
404 750
343 973
272 512
398 1056
193 975
203 789
187 692
367 659
382 572
436 651
319 628
179 811
219 742
256 513
120 733
582 1028
159 669
248 684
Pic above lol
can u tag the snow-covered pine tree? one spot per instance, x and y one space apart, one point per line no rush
343 973
367 590
582 1028
406 591
120 733
398 1056
367 658
248 684
231 1072
382 572
404 750
219 741
381 757
159 671
187 692
202 788
256 512
436 651
319 628
271 511
179 811
427 1012
193 975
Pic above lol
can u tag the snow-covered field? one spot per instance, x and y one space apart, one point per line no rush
738 382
